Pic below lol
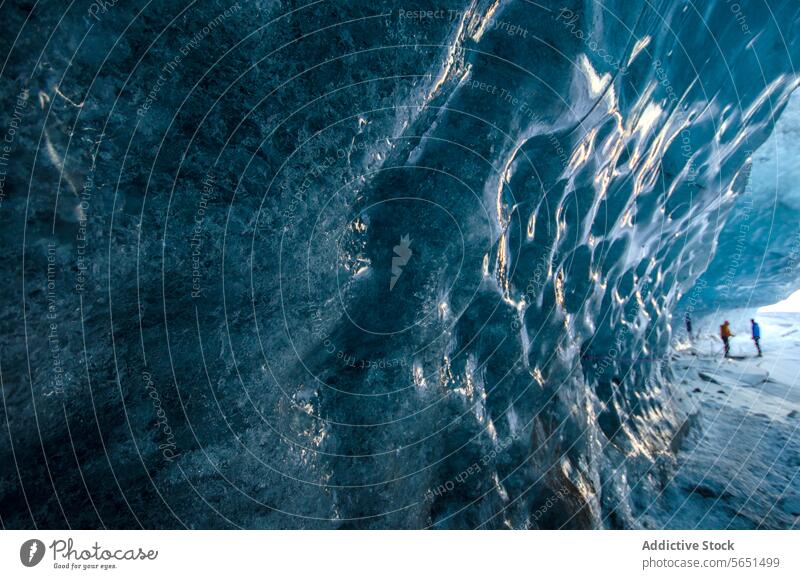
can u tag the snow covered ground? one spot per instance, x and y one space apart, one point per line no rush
739 464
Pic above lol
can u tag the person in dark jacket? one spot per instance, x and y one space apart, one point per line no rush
756 335
688 320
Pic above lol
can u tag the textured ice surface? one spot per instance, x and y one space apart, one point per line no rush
343 264
758 250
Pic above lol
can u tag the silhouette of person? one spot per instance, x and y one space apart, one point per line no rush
756 329
725 334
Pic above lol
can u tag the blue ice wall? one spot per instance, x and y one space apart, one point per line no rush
362 264
757 253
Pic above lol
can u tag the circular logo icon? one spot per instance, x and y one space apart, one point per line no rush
32 552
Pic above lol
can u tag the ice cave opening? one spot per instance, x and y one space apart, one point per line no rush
790 304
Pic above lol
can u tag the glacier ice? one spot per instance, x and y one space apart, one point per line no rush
368 265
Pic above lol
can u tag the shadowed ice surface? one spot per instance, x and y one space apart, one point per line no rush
362 265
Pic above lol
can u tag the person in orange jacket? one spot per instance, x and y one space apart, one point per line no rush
725 334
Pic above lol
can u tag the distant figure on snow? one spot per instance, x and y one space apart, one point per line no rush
725 334
689 325
756 335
